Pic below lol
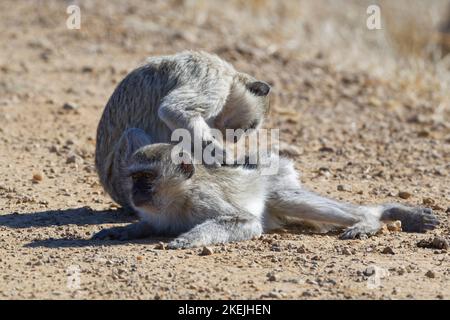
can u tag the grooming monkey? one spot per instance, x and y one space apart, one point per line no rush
196 91
203 205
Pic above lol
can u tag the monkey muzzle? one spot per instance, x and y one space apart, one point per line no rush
141 196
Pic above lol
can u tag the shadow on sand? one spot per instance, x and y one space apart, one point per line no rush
76 216
79 243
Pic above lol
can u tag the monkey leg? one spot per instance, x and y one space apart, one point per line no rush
131 140
300 203
288 198
222 229
132 231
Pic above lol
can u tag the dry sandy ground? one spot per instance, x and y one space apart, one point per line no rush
375 136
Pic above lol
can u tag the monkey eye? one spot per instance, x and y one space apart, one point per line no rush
143 175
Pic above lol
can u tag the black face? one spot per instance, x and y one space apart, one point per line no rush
142 190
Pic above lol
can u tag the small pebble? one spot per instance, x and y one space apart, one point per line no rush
160 246
369 271
307 293
271 276
388 250
401 270
87 69
206 251
347 251
73 158
430 274
70 106
383 230
37 177
301 250
404 195
435 243
344 187
440 243
276 295
326 149
394 226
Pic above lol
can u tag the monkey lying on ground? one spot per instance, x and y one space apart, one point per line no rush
196 91
204 205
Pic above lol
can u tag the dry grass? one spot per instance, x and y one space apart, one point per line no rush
408 48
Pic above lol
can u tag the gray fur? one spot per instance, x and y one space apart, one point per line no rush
191 90
224 204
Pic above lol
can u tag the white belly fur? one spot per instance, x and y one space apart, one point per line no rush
254 198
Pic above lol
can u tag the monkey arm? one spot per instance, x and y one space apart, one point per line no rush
132 231
189 108
234 225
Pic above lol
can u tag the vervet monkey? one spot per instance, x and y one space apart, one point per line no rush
203 205
196 91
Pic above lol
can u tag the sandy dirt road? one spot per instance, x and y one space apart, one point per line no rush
349 127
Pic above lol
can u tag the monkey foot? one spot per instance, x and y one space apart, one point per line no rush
413 219
359 231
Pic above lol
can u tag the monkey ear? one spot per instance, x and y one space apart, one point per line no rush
258 88
187 168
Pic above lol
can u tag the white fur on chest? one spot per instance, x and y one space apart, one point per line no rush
254 196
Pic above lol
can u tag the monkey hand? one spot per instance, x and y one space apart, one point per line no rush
214 154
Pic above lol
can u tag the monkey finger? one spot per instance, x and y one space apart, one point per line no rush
109 234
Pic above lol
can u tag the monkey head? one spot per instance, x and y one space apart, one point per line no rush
247 105
154 181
